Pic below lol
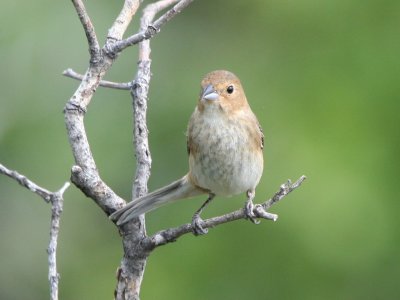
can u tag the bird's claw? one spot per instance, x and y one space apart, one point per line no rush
249 214
197 227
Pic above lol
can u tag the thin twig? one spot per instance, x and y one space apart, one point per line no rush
149 13
151 30
285 189
103 83
172 234
56 200
88 27
25 182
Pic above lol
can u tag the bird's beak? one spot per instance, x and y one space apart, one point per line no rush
209 93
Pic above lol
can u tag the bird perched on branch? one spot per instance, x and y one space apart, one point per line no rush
224 142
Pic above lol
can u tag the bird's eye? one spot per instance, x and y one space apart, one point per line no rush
230 89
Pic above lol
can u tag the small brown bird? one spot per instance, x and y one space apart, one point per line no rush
224 142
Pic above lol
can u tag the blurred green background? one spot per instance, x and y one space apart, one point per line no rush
323 79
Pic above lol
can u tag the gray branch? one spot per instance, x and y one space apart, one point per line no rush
136 260
85 174
25 182
94 47
260 210
56 200
103 83
151 29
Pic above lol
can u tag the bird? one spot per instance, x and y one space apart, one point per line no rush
225 146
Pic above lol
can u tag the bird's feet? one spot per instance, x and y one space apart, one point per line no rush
197 227
249 211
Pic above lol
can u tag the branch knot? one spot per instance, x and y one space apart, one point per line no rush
152 30
73 106
110 50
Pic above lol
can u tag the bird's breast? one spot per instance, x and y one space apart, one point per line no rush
226 157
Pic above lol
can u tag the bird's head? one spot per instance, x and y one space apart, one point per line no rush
221 91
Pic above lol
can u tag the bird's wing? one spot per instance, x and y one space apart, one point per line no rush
262 135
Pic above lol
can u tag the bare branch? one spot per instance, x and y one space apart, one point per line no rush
85 174
148 15
151 30
94 47
56 200
130 273
172 234
25 182
139 93
285 189
116 32
103 83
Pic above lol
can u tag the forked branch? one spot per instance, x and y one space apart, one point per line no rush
56 200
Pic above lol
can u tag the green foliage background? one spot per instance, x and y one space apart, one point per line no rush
323 78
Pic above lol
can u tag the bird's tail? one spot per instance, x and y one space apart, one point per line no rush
177 190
